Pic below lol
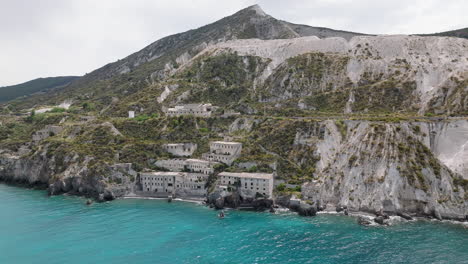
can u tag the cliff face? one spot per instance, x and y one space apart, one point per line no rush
394 167
67 174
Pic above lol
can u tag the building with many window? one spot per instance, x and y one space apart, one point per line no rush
179 184
200 110
223 151
249 183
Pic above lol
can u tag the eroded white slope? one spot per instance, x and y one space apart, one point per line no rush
430 61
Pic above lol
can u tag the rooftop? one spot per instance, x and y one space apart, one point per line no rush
162 173
247 175
226 142
177 144
201 161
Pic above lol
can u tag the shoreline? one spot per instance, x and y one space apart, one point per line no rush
394 219
160 198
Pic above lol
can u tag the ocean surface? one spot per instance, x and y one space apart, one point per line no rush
35 228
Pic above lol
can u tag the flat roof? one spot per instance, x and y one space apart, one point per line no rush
162 173
226 142
247 175
174 173
177 144
201 161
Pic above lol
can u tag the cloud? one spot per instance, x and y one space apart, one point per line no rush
51 37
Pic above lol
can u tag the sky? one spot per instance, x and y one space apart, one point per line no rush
42 38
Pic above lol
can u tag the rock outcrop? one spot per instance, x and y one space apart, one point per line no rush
392 167
68 175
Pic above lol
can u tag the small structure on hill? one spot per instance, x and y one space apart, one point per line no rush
223 151
131 114
46 132
180 149
248 183
200 110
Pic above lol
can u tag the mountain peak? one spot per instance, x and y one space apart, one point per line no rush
257 9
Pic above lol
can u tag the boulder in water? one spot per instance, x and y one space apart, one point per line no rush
404 216
380 220
364 221
306 210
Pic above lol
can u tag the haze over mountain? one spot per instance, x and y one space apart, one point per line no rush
31 87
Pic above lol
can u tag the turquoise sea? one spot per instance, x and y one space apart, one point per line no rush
35 228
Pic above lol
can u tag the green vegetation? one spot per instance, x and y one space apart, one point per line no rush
340 124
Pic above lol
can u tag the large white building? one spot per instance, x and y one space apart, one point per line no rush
159 182
201 110
180 149
249 183
223 151
189 165
174 183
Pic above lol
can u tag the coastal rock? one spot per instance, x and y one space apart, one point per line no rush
262 204
364 221
108 195
340 208
306 210
437 215
283 200
404 216
219 203
59 187
380 220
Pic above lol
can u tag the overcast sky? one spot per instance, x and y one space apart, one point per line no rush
72 37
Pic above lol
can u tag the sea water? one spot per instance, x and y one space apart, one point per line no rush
35 228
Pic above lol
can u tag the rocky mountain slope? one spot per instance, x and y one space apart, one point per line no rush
11 92
367 122
458 33
154 62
